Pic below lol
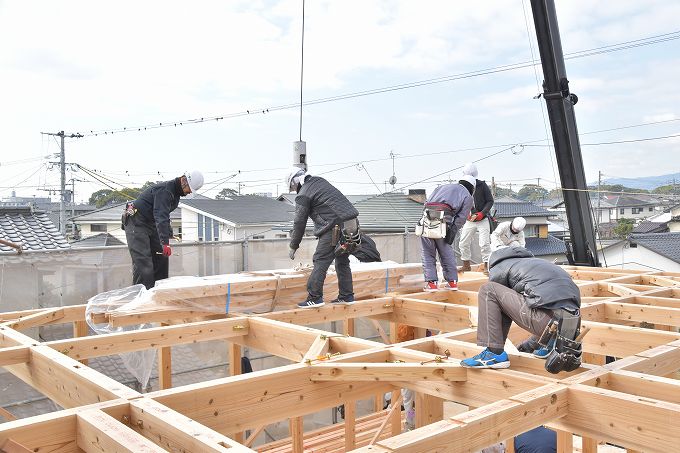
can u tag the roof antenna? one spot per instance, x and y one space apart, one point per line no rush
300 147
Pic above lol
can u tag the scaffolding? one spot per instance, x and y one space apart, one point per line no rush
632 402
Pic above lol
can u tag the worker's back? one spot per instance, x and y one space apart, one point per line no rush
538 440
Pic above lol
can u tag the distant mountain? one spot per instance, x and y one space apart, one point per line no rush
644 182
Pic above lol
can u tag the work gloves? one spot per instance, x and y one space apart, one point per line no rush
167 251
476 217
291 253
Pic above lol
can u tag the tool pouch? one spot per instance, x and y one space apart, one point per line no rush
350 238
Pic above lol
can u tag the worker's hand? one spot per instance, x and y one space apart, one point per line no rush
167 251
480 216
291 253
471 217
529 345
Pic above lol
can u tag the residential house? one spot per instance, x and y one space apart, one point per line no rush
652 251
674 221
235 218
30 228
615 207
390 212
97 240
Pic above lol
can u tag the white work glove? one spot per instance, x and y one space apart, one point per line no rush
291 253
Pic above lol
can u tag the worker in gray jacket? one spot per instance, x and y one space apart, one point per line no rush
448 204
540 297
328 208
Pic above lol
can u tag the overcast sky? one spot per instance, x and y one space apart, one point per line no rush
82 66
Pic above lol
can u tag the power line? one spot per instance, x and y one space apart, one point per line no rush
655 39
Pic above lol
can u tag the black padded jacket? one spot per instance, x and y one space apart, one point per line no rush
324 204
155 204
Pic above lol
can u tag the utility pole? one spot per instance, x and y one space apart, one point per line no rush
560 105
599 197
493 186
62 169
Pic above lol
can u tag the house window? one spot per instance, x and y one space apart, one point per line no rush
281 236
98 227
208 229
622 211
651 208
258 236
216 230
200 227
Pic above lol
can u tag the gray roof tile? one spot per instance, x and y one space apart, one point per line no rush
506 209
545 246
389 212
245 210
665 244
34 231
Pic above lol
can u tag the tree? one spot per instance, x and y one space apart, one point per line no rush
106 197
624 227
502 192
98 197
532 192
226 193
668 189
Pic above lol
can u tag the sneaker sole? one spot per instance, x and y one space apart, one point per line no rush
313 306
541 356
430 290
496 366
342 303
450 289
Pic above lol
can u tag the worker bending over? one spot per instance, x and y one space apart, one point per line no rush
146 222
445 212
540 297
509 234
327 207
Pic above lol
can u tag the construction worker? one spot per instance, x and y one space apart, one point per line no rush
328 208
477 222
540 297
509 234
445 212
146 222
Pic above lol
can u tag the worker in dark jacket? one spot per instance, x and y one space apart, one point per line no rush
327 207
146 222
540 297
477 222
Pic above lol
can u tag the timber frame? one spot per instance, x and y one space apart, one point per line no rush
633 402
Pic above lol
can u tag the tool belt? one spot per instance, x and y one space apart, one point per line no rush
346 237
433 223
563 331
128 212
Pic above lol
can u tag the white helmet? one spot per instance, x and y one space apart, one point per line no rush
195 180
470 179
293 178
470 169
518 224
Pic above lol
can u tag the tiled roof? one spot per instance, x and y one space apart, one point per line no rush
651 227
519 208
245 210
389 212
545 246
98 240
34 231
665 244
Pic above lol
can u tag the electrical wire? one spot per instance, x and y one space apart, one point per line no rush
655 39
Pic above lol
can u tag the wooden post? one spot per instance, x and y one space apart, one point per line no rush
80 330
297 435
565 442
350 425
234 370
429 409
348 327
164 366
510 445
395 422
589 445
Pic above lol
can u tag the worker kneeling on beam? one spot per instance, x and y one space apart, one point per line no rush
336 227
537 295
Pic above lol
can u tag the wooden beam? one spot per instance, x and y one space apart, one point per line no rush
297 435
429 409
11 446
350 425
658 361
432 315
389 372
333 312
116 343
638 313
165 367
380 331
98 432
622 341
317 349
565 442
36 319
176 432
14 354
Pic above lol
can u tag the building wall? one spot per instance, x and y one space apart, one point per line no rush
113 228
640 213
622 256
674 227
226 231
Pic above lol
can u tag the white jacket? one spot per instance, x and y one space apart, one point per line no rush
503 236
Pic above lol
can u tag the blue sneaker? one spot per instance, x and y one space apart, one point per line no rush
349 300
487 359
543 351
309 303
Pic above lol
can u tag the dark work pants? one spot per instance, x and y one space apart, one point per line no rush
323 257
498 307
148 263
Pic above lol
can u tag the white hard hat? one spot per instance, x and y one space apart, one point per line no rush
518 224
293 177
470 169
470 179
195 180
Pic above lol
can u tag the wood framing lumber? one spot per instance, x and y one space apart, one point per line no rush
116 343
14 355
396 408
622 341
98 432
659 361
643 385
318 348
11 446
36 319
374 372
479 428
430 409
626 420
381 331
66 381
432 315
615 311
7 415
350 425
176 432
333 312
565 442
71 313
297 434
